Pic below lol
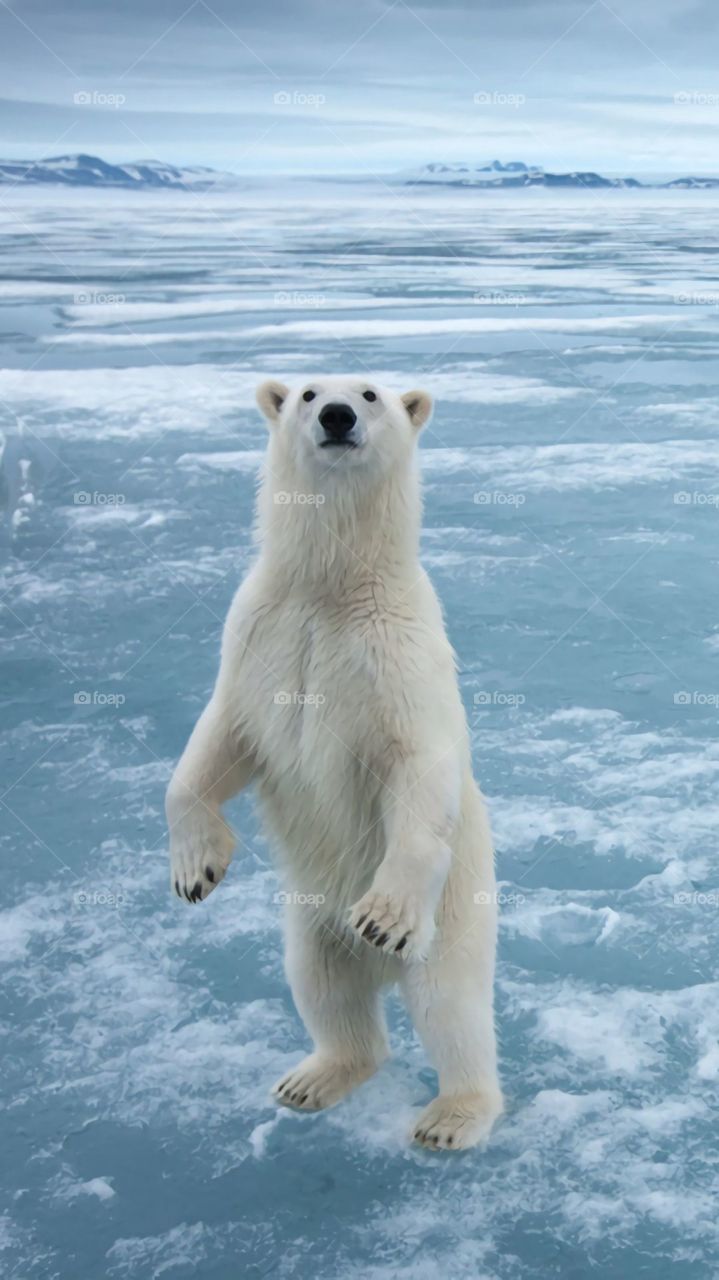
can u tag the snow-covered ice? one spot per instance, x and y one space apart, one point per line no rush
572 509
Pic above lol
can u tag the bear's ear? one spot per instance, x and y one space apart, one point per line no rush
419 407
270 397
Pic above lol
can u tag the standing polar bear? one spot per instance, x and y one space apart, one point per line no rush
337 697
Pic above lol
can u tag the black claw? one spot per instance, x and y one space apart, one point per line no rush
401 942
197 891
177 888
371 931
361 921
381 940
189 899
450 1140
210 874
303 1099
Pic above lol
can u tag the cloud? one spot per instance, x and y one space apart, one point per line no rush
396 82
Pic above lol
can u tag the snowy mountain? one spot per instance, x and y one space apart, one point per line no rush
693 182
495 175
91 171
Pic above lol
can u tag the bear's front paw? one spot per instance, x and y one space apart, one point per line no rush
200 854
392 923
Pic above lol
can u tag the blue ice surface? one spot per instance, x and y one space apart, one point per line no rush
572 482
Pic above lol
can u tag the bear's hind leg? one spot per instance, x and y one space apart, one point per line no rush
450 1002
337 994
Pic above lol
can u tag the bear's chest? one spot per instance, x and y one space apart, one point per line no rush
314 687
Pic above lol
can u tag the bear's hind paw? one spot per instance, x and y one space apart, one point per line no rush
455 1122
319 1082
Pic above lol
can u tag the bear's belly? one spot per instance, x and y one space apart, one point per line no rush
329 842
311 704
320 787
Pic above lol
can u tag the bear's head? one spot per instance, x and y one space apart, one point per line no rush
330 426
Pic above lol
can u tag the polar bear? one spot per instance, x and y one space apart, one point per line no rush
337 698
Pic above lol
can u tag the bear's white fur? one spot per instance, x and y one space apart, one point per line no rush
337 697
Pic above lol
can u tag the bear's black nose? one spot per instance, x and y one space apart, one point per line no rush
337 420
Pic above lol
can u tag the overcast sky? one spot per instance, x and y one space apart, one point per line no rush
320 85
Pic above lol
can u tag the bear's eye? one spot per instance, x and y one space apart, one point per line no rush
308 395
369 395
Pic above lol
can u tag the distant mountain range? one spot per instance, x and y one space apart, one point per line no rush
90 171
493 174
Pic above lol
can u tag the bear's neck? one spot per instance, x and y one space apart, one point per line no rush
341 535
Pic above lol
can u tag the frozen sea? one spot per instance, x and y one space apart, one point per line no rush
572 530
